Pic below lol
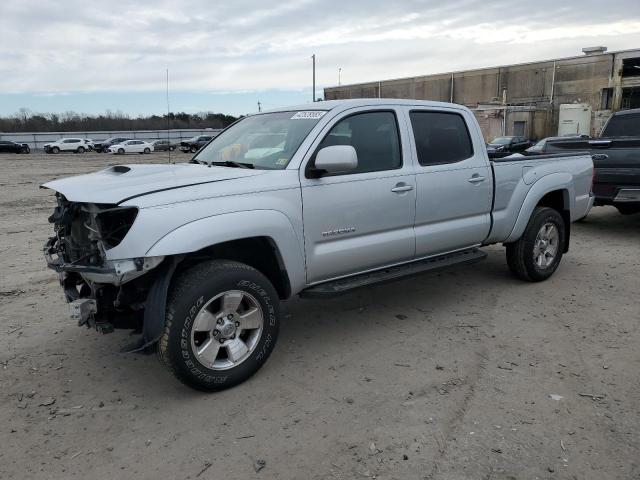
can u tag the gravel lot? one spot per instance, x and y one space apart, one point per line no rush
463 374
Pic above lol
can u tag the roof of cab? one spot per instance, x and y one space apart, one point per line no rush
340 105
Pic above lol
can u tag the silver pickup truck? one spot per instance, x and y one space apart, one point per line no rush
313 201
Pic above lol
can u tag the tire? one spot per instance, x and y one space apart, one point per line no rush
171 149
80 150
200 289
147 150
121 151
55 150
535 256
193 149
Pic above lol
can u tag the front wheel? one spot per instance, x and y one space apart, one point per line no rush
221 325
121 151
193 149
55 150
537 254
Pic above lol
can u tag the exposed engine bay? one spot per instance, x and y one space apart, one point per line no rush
104 294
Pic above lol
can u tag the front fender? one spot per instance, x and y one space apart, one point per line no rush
549 183
216 229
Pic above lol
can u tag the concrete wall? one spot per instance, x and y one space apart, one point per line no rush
36 140
576 80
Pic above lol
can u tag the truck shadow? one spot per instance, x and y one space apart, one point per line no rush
609 220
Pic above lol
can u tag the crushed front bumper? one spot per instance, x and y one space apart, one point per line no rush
115 272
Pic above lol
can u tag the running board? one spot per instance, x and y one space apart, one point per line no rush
440 262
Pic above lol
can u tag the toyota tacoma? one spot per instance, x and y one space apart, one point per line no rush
196 257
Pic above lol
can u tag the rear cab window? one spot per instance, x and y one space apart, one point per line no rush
440 137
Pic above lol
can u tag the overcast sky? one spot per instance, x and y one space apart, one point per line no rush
226 55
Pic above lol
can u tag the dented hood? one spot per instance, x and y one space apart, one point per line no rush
124 182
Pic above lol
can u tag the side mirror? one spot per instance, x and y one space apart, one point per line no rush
335 159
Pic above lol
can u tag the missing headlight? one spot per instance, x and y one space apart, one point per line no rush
114 224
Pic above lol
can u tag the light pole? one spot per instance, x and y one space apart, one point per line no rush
339 75
313 59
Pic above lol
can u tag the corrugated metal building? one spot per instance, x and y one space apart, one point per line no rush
525 99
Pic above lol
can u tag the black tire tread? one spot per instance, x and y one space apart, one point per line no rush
517 253
182 284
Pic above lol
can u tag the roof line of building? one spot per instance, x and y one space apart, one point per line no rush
479 69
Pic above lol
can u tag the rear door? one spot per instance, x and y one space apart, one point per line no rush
362 219
454 180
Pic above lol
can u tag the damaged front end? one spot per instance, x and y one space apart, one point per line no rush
102 293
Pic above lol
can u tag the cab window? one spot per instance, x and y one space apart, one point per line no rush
374 136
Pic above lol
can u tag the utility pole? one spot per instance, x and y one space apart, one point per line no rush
339 75
168 119
259 106
313 58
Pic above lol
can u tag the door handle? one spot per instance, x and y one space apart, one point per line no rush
475 178
402 187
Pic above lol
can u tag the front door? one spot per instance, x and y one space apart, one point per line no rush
454 181
361 219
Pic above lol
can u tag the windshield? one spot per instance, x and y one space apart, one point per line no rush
501 141
266 141
626 125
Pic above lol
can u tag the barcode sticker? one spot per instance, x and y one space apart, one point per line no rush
308 115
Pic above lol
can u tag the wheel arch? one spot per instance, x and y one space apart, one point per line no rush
264 239
554 191
259 252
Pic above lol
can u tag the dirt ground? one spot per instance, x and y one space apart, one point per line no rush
466 374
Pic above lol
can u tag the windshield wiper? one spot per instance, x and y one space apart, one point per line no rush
231 163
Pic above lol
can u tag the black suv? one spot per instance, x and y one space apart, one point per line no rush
509 144
103 145
194 144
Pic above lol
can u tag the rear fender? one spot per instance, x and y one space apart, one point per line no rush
549 183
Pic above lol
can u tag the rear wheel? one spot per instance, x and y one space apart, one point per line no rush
222 324
537 254
147 150
80 150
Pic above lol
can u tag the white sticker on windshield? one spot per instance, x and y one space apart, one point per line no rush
308 115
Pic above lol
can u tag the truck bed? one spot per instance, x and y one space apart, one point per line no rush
518 177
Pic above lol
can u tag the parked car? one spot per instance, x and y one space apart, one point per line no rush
541 146
7 146
616 156
509 144
76 145
131 146
197 256
194 144
163 145
103 145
